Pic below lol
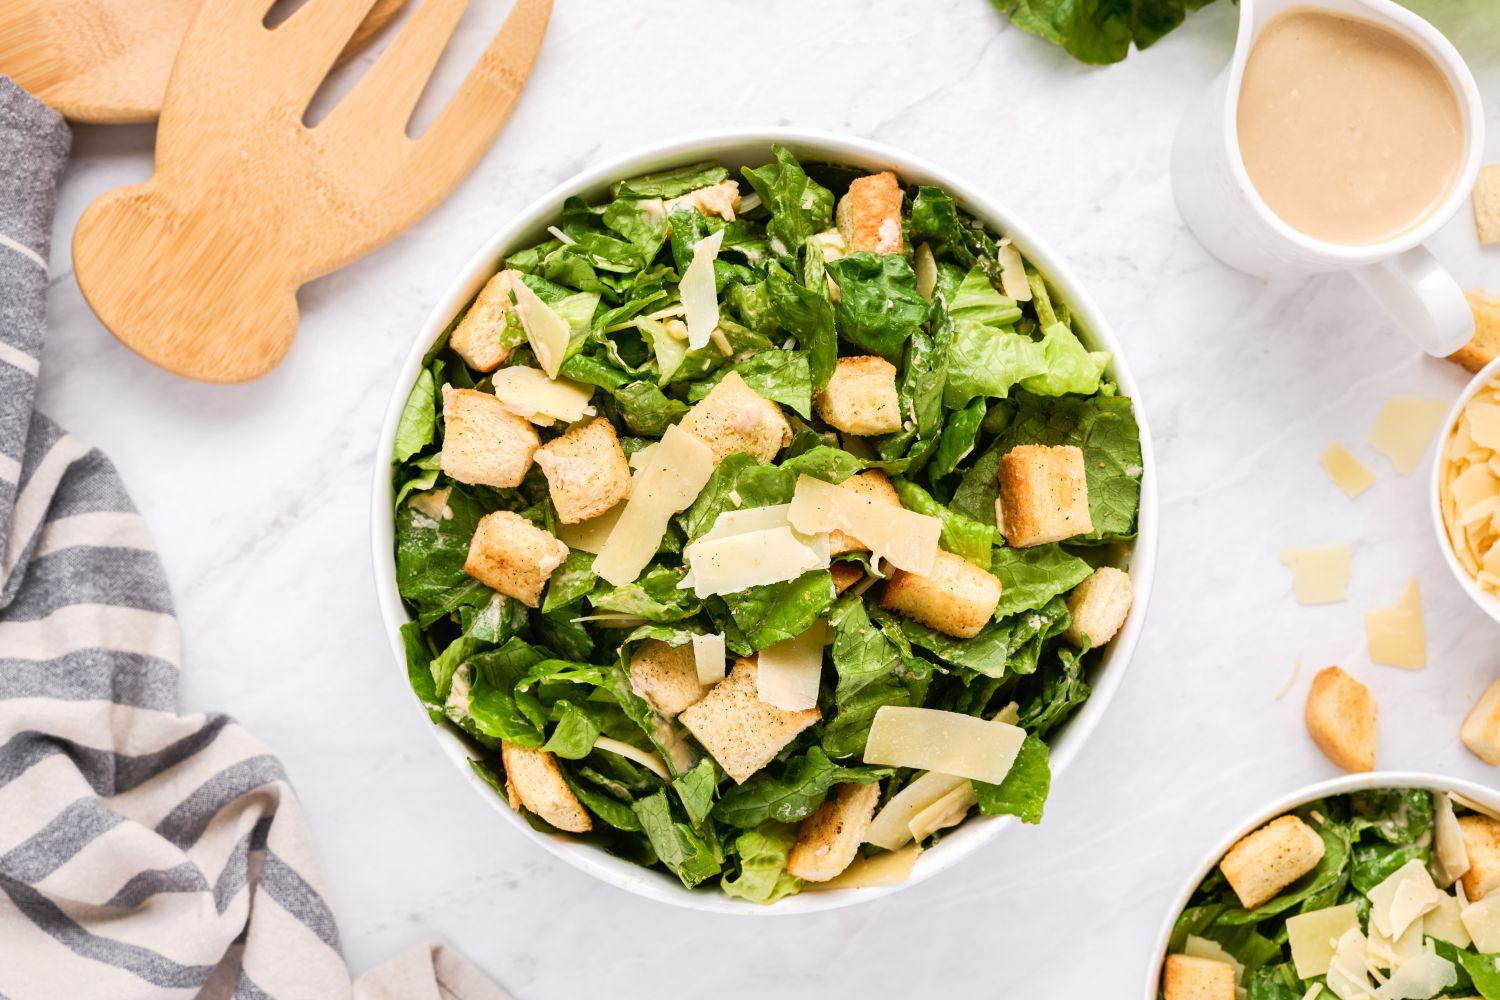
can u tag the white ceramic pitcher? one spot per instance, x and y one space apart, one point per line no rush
1223 209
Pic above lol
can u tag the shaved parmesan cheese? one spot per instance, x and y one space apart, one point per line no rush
1404 427
1484 423
677 472
546 331
890 868
1197 947
699 299
1320 575
640 457
1383 953
1451 856
1010 713
1405 895
1482 921
1446 923
750 548
590 536
1348 973
1425 975
1313 992
891 827
1347 472
788 672
947 811
650 761
1313 937
1013 274
708 657
529 393
433 503
1395 635
948 742
904 538
925 266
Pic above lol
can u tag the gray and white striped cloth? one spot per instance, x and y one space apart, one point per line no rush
143 854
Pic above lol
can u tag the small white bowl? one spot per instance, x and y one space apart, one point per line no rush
752 146
1488 798
1489 604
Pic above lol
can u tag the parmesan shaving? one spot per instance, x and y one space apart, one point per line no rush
789 671
889 868
1446 922
679 467
1402 897
947 811
1469 489
1482 921
546 331
1426 974
1450 856
1197 947
904 538
652 762
750 548
1320 575
590 536
925 266
1403 429
530 394
891 827
1347 472
948 742
700 302
1395 635
1013 274
709 658
1314 935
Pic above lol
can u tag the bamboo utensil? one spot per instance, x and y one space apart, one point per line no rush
197 270
107 61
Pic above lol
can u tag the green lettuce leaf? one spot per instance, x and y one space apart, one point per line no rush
879 308
682 849
799 205
1098 31
1031 577
1023 793
763 854
791 793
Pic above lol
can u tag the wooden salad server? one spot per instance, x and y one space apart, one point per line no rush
197 269
107 61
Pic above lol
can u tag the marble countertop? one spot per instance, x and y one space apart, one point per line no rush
258 496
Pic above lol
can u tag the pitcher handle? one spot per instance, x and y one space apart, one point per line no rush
1423 298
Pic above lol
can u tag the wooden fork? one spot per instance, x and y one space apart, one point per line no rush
197 270
108 60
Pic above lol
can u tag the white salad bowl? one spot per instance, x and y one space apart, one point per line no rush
735 148
1486 798
1489 604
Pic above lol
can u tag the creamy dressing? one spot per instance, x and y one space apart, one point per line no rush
1350 133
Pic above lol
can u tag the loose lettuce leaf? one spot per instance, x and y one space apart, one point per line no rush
871 673
573 580
682 849
989 361
799 205
1098 31
763 856
672 183
961 535
739 482
696 790
1068 365
430 556
807 314
791 793
783 376
1246 943
775 611
653 595
1048 697
958 439
418 421
1023 793
1029 578
879 307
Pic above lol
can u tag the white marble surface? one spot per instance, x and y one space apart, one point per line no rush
258 497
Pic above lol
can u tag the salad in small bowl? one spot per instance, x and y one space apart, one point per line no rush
1366 887
759 517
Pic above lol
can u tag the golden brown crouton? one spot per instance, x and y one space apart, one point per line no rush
586 471
510 554
957 597
535 783
1099 606
739 730
483 442
1487 204
1044 493
869 215
860 398
845 575
873 484
1270 859
1484 347
666 676
1482 843
721 199
479 336
1343 720
829 839
1188 978
733 417
1481 730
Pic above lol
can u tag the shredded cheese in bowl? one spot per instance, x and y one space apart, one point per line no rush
1468 489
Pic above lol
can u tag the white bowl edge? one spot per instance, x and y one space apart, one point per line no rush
735 145
1341 785
1486 603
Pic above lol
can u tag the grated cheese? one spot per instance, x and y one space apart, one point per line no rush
676 473
1320 574
1395 636
948 742
904 538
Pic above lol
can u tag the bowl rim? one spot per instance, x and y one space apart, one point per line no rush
729 144
1486 603
1341 785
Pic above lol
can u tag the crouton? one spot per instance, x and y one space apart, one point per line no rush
1263 863
957 597
1343 719
1484 347
739 730
586 471
869 215
510 554
1481 730
1099 606
535 783
483 442
733 417
873 484
1044 493
829 839
721 199
1482 843
1487 204
845 575
666 676
1187 978
861 398
480 336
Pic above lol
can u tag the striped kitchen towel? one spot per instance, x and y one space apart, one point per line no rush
143 853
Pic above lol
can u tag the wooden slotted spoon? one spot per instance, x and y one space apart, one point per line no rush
108 61
197 270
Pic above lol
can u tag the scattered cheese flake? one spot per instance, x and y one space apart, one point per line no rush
647 759
891 827
433 503
750 548
709 657
1482 921
1395 635
925 266
1013 274
789 671
1348 972
1403 896
947 811
1320 574
949 742
699 299
1383 953
546 331
1347 472
1403 429
590 536
1446 923
1484 422
529 393
1425 975
1313 992
889 868
677 471
1450 857
904 538
1313 937
1291 679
